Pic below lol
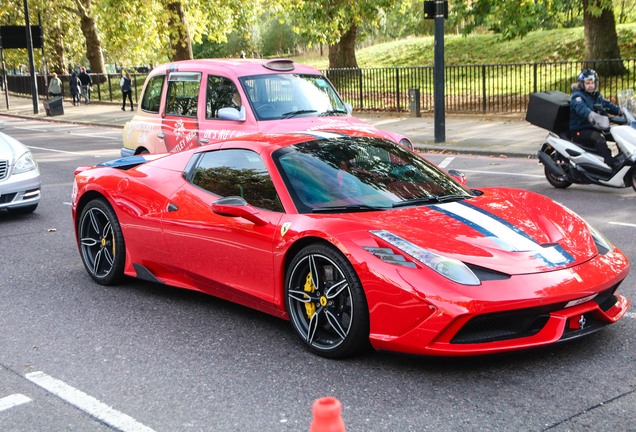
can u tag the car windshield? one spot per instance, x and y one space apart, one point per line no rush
361 174
283 96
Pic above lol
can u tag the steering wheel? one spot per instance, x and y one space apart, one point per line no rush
265 108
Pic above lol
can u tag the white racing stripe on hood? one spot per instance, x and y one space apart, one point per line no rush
504 234
323 135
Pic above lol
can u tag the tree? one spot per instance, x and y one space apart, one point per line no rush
601 40
336 22
515 18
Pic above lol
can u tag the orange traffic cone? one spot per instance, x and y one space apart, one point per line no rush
327 417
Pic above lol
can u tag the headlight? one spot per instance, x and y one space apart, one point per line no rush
602 243
25 163
450 268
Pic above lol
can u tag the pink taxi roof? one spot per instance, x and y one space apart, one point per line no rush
236 67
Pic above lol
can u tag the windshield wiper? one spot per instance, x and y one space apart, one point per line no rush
295 113
332 112
347 208
433 199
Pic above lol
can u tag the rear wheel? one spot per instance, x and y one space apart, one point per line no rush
559 182
101 243
326 303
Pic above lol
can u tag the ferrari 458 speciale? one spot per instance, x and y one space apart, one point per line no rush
357 241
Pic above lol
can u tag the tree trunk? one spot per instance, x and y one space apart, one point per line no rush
179 33
342 54
601 41
93 42
57 62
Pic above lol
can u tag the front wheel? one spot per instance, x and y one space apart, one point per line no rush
101 243
559 182
326 303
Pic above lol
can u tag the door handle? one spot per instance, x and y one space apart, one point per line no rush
204 140
161 135
172 207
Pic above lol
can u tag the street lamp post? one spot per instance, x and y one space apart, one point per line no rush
438 72
34 84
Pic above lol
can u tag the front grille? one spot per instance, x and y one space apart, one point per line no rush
4 169
504 325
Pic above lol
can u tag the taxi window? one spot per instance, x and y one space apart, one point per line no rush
152 95
221 92
237 172
183 94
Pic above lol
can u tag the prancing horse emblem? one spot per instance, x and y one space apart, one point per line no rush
285 228
582 321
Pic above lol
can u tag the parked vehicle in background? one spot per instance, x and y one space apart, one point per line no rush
190 103
19 176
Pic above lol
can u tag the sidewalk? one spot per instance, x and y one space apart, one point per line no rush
473 134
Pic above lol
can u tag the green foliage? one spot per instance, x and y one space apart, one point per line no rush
536 46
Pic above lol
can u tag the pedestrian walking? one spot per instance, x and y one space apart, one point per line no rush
55 86
126 89
74 84
85 82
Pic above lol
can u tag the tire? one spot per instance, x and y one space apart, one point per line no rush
23 210
633 178
101 243
559 182
326 303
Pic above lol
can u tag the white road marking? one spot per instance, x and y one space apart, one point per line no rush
446 162
97 135
623 224
86 403
631 315
13 401
503 173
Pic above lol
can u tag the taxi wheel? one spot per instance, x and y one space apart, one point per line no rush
326 303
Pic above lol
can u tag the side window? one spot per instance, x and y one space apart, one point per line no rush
237 172
152 95
183 94
221 93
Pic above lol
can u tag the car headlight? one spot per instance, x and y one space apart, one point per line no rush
25 163
450 268
602 243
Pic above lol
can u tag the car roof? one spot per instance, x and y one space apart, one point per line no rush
236 67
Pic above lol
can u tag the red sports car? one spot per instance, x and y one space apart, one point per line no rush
355 240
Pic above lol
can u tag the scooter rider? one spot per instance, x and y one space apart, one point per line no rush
586 124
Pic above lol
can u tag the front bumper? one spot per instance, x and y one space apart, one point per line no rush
20 190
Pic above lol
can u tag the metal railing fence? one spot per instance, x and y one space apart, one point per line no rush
105 87
471 89
486 88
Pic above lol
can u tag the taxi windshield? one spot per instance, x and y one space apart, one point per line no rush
351 174
285 95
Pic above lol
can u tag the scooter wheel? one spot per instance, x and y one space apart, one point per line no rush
559 182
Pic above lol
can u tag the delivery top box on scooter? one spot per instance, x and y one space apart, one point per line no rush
549 110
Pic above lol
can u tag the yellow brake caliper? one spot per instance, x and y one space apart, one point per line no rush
310 308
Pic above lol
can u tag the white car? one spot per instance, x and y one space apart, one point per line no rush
19 176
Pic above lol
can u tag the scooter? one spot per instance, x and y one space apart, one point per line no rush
566 163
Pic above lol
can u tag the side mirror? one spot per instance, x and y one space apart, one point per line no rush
459 176
235 206
232 114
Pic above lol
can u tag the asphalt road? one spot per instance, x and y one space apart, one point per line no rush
148 357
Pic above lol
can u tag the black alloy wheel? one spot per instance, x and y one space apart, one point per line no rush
326 303
101 243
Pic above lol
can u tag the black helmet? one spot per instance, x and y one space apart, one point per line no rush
586 75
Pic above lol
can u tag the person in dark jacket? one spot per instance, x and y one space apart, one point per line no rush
86 82
586 125
75 88
126 89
